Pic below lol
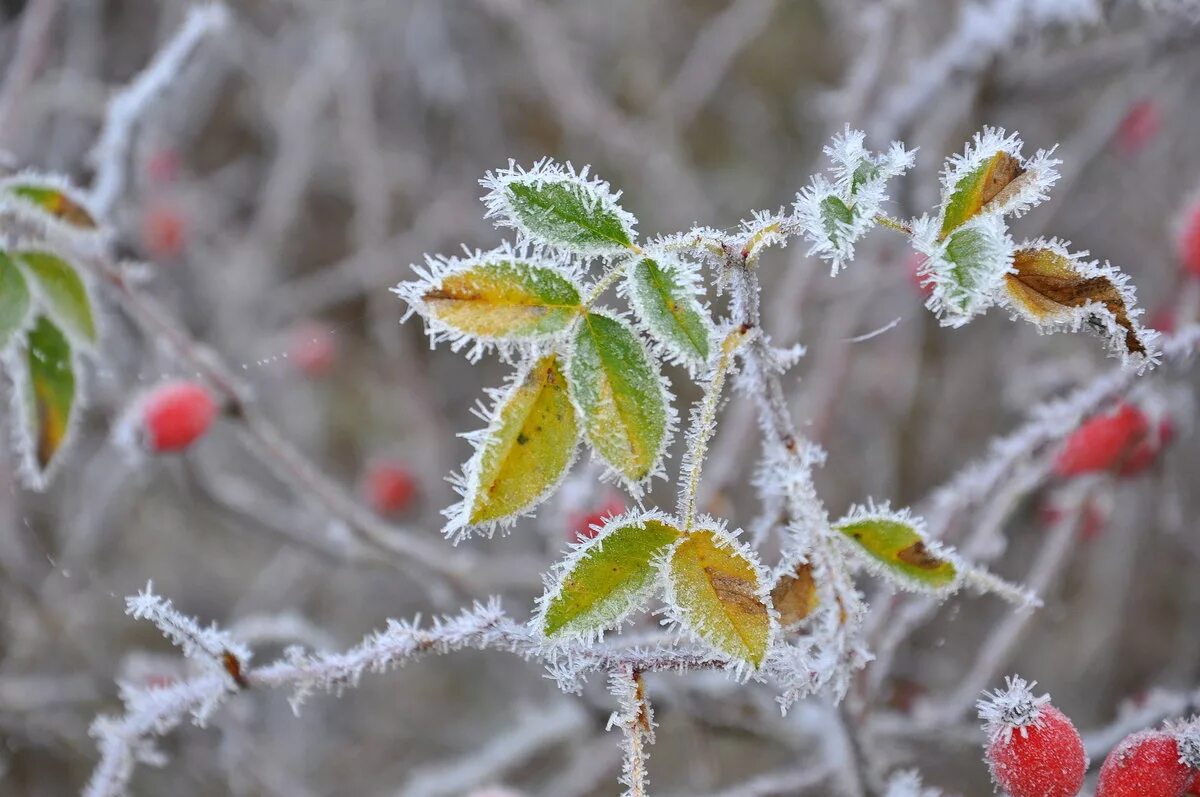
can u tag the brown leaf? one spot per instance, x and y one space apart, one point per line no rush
795 595
1047 286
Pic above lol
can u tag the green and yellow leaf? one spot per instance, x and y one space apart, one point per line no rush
717 592
620 393
63 291
895 544
553 205
976 189
667 306
49 395
525 451
609 577
14 299
55 202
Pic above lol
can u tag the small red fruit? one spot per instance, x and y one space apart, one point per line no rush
1033 750
1145 452
1101 442
1145 764
388 487
585 525
1193 789
313 349
163 232
175 414
1189 240
1139 127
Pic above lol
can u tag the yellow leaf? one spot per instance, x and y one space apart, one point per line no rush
794 595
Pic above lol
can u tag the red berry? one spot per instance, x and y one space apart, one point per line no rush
1193 788
1101 442
1144 453
163 232
388 487
1189 240
1033 750
1164 321
313 349
585 525
1145 764
1139 127
175 414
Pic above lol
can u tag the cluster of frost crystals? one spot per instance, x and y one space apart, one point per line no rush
1030 189
907 783
1187 739
1014 708
837 208
965 270
207 645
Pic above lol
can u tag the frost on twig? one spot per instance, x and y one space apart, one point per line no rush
635 718
210 645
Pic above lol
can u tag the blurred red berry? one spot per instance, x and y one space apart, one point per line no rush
1145 452
163 232
1145 764
1033 750
584 525
1164 321
1189 240
313 349
1139 127
389 487
162 166
175 414
1101 442
913 265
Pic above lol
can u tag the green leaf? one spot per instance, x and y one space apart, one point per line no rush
669 310
978 188
14 299
499 298
717 594
552 205
834 213
897 543
55 202
528 447
50 392
617 387
607 579
61 287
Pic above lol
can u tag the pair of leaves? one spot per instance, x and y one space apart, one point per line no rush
713 588
45 317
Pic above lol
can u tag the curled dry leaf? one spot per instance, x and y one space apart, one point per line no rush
795 595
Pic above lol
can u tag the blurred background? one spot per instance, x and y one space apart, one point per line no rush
306 155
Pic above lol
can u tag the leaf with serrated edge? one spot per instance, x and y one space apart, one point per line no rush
50 393
526 450
607 578
14 300
716 590
896 546
54 201
966 270
553 205
665 302
980 187
1052 287
63 292
621 396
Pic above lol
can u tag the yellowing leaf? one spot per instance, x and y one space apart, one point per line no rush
527 448
716 592
55 202
14 299
977 189
51 391
622 397
63 291
669 310
794 595
610 577
896 542
501 299
1050 286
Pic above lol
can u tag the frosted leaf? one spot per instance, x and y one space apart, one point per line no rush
1057 289
895 545
553 205
837 208
46 399
15 300
61 289
965 270
664 293
50 206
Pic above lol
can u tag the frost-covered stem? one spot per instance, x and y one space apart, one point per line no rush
127 108
635 718
611 277
893 224
704 423
1156 706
